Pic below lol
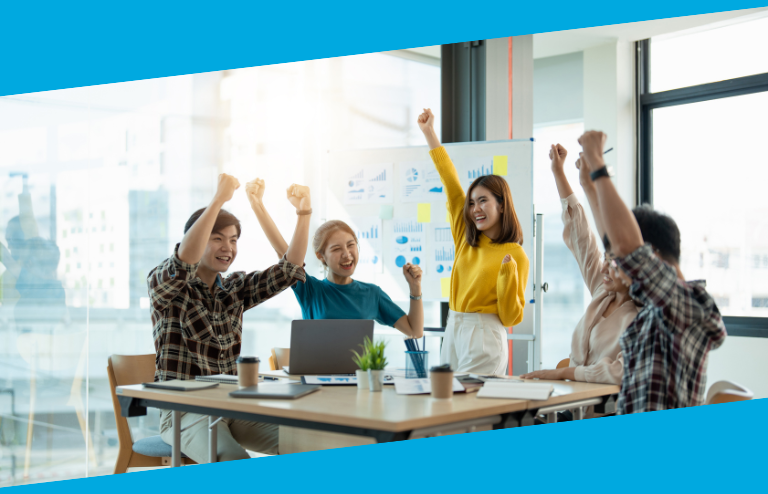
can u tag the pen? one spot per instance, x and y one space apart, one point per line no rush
608 151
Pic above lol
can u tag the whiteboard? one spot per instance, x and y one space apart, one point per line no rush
360 183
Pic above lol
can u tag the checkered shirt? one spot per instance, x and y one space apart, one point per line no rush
666 347
199 334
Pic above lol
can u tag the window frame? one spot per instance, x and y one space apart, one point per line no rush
646 103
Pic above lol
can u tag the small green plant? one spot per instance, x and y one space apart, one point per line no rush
372 357
362 361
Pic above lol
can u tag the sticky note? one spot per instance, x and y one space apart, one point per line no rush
445 287
447 216
425 213
386 212
500 165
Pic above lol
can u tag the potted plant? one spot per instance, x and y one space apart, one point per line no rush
364 363
376 363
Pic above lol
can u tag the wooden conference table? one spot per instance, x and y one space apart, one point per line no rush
338 416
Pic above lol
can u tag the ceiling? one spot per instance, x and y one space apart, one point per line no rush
561 42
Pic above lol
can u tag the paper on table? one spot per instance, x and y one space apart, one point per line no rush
420 386
500 165
515 391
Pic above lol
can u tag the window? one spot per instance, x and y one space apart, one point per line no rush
275 122
699 119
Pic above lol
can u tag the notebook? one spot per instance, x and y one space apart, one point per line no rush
275 391
224 379
515 391
181 385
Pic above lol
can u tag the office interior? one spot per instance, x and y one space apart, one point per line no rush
105 178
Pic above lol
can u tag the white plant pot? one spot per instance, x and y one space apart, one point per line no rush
362 379
374 379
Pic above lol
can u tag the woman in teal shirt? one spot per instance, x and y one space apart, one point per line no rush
338 296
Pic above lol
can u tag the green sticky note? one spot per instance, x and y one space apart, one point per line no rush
445 287
425 213
386 212
500 165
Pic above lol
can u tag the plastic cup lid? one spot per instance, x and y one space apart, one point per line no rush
248 360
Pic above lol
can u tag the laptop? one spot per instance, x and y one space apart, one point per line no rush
324 346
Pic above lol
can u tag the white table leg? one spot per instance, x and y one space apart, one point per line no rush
212 440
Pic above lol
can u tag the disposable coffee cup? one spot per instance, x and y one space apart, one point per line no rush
441 378
247 371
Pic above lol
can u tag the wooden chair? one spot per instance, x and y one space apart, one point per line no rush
566 362
281 357
124 370
727 392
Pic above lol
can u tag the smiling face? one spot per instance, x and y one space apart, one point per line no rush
484 210
340 253
221 250
612 276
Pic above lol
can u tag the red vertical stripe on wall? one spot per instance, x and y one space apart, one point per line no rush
509 113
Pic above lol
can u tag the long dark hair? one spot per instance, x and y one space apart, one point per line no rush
511 232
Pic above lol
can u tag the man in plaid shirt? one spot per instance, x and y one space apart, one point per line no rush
666 346
197 314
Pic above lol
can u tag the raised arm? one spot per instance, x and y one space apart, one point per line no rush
412 324
557 154
299 197
195 240
255 192
591 193
448 174
619 222
510 289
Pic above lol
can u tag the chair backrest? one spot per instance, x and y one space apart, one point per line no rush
726 392
123 370
281 357
566 362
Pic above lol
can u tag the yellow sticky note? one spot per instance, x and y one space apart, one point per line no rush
500 165
447 216
425 213
445 287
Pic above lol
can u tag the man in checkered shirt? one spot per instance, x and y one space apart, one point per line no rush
198 315
666 347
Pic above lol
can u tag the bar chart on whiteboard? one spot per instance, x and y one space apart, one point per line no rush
443 249
409 242
368 231
369 184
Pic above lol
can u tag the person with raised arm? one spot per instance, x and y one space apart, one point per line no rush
198 314
338 296
666 347
595 351
490 270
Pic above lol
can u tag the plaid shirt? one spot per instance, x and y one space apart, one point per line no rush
199 334
666 346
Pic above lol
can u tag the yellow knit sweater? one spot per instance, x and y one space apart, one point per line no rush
480 283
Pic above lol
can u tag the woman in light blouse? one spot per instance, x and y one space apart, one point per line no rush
595 351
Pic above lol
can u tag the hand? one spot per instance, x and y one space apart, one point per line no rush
299 197
254 190
593 142
226 188
426 121
413 275
584 179
506 259
551 375
557 154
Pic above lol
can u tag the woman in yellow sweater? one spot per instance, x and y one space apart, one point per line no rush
490 270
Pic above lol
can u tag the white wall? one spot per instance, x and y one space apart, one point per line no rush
558 94
609 105
741 360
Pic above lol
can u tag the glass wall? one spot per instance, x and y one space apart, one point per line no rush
96 185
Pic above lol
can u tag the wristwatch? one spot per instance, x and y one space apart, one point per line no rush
601 172
415 298
303 212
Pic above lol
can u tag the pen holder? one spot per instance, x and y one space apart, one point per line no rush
416 365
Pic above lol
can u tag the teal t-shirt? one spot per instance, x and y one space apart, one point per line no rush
322 299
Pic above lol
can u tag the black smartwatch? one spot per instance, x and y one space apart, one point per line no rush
602 172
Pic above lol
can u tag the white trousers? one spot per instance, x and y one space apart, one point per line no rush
475 343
